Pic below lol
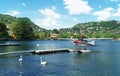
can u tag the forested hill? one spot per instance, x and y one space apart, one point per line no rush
7 19
99 29
18 28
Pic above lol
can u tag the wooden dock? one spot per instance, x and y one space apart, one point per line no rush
49 51
16 52
10 44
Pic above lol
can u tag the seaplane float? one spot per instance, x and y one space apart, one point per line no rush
81 49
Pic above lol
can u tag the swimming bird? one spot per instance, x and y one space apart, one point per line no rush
38 44
20 59
42 62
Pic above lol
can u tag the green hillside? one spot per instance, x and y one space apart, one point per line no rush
103 29
7 19
20 24
99 29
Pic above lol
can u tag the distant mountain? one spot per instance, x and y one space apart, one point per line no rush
99 29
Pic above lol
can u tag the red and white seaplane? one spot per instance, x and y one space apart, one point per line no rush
84 42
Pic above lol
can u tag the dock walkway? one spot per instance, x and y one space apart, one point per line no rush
10 44
48 51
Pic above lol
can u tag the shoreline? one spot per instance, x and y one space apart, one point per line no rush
9 39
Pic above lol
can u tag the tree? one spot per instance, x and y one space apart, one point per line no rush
3 31
22 29
42 35
55 31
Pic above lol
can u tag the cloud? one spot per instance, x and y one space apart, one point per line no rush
75 19
77 7
23 4
118 11
49 13
50 20
13 12
104 14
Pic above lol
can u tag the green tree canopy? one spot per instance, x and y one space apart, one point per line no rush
55 31
3 31
22 28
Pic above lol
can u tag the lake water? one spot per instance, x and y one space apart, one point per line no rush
104 60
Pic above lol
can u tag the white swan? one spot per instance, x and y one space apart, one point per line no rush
20 59
38 44
41 62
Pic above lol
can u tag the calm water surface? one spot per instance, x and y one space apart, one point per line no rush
104 60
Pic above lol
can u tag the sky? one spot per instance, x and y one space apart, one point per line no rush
56 14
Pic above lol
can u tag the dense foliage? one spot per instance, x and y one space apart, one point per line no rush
99 29
7 19
3 31
21 29
103 29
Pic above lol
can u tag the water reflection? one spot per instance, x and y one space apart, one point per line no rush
82 55
20 73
